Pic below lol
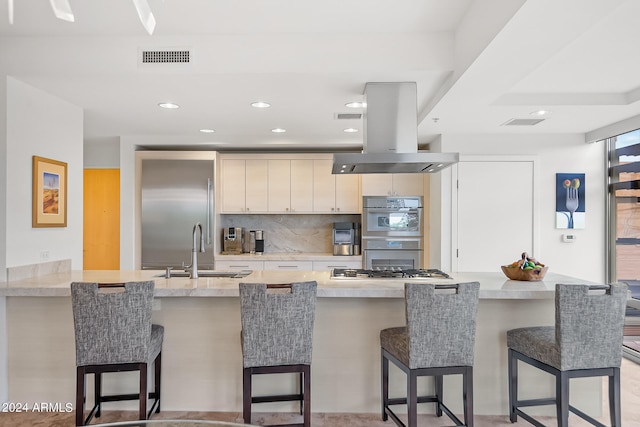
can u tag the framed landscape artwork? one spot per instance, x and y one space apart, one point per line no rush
49 194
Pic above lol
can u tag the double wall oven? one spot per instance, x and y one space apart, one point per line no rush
392 232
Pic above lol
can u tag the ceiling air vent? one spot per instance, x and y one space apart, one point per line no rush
348 116
522 122
165 56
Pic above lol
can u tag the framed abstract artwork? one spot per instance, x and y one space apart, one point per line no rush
570 200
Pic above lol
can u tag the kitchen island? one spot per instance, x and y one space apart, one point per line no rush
202 362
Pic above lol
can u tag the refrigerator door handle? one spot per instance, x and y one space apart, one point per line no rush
209 200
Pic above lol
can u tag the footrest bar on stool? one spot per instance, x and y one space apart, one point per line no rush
450 415
394 417
286 425
156 403
529 418
536 402
276 398
585 417
403 400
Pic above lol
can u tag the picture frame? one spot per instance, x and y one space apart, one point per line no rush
49 193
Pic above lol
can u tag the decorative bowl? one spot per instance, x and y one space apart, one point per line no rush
516 273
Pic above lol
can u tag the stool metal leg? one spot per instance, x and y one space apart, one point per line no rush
614 398
412 399
143 392
385 386
307 395
439 387
467 396
246 395
562 399
97 393
513 386
158 370
80 391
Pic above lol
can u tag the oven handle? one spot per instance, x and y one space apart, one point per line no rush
390 210
393 239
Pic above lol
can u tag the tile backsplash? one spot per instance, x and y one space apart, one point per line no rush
290 233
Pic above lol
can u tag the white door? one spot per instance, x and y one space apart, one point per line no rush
495 214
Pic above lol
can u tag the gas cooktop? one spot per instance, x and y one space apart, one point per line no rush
391 273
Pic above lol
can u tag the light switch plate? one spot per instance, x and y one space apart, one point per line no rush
568 238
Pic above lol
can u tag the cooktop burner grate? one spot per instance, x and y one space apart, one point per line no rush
389 273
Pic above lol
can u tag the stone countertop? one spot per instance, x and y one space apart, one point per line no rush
492 285
287 256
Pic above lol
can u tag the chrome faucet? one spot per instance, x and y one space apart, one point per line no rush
194 251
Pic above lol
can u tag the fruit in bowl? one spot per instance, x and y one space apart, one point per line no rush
527 269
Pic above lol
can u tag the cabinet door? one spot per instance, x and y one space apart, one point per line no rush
257 186
301 185
408 184
289 265
347 193
377 184
324 187
279 185
233 185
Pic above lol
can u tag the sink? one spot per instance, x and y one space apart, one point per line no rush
211 273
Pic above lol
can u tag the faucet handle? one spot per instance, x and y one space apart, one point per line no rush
167 274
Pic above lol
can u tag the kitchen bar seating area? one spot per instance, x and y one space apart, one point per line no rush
347 325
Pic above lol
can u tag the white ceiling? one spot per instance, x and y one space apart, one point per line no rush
477 64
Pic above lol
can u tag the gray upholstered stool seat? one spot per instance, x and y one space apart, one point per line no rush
113 333
585 342
438 340
276 336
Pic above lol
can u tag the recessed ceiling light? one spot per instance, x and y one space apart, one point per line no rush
355 104
169 105
351 130
540 113
207 130
278 130
260 104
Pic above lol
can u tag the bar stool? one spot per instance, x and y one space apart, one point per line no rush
277 332
585 342
438 340
113 333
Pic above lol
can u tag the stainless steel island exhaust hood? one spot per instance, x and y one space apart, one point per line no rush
391 135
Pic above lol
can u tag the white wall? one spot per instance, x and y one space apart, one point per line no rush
585 258
102 154
39 124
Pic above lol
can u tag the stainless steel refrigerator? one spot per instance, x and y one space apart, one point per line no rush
176 194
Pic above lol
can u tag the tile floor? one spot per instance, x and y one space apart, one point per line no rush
630 414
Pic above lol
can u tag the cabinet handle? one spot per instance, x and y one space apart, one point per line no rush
239 266
286 209
287 266
333 209
338 209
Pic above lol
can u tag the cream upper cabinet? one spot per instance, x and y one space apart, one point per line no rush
302 185
348 193
279 184
268 184
334 193
233 185
257 181
398 184
324 187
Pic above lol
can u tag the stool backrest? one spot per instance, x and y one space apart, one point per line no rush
589 325
441 324
277 324
113 326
